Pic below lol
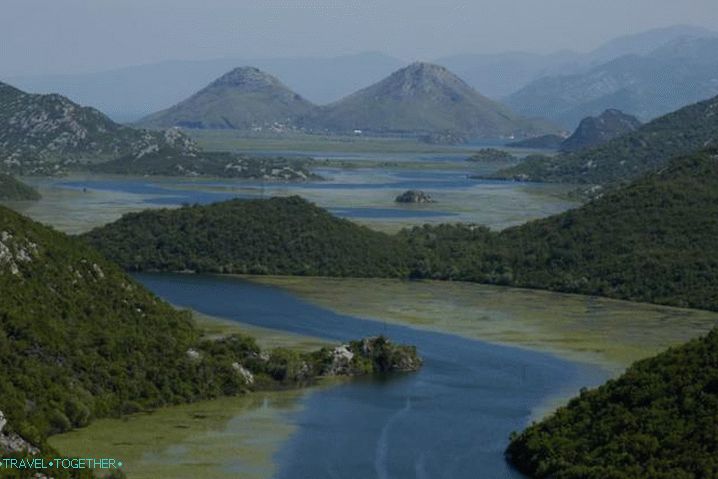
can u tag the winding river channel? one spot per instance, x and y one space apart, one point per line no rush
452 419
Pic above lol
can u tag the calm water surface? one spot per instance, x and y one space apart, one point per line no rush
450 420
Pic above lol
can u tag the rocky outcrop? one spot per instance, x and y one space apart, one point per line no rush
11 442
367 356
414 196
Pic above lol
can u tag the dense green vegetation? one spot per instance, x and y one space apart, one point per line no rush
12 189
629 156
79 340
276 236
657 421
653 241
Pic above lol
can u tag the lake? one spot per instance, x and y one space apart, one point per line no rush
78 203
452 419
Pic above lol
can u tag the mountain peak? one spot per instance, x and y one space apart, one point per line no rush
594 131
247 79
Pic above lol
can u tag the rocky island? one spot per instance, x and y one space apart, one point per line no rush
414 196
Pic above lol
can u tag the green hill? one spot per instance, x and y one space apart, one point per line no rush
276 236
627 157
12 189
79 340
242 99
651 241
657 421
423 99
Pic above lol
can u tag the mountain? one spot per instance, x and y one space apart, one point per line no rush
648 85
130 93
629 156
242 99
422 99
14 190
498 75
594 131
40 134
656 421
49 134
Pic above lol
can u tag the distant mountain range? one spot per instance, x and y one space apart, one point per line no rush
130 93
49 135
631 155
681 72
422 99
127 94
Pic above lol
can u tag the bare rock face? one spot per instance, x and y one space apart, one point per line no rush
414 196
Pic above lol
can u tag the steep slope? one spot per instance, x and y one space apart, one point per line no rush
594 131
631 155
423 99
657 421
12 189
648 85
242 99
40 133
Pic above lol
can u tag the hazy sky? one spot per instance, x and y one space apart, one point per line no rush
88 35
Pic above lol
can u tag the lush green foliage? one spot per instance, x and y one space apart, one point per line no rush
657 421
12 189
652 241
79 340
629 156
276 236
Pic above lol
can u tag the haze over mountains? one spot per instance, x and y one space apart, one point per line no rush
422 99
129 93
676 74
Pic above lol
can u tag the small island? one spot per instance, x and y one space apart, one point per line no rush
491 154
414 196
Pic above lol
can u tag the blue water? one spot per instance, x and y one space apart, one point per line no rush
450 420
